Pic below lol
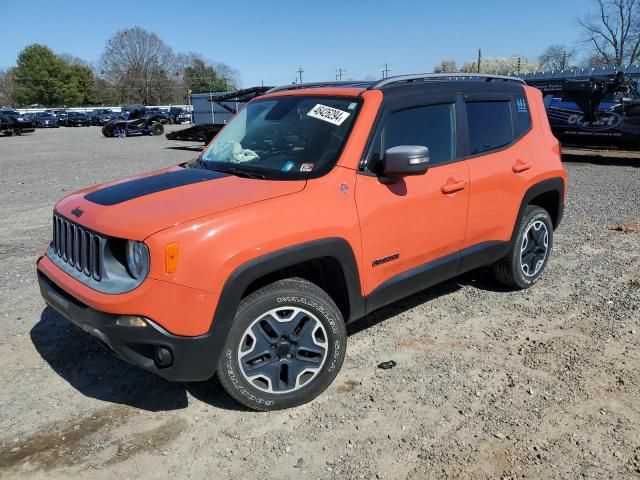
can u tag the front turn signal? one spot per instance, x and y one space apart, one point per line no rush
171 257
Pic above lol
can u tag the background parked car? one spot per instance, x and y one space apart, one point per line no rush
178 115
76 119
100 116
46 120
20 123
160 115
60 114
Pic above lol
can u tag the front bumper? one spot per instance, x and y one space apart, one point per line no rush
188 358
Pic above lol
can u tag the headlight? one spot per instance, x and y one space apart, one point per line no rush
137 259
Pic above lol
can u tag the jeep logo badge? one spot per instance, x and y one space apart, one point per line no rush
77 212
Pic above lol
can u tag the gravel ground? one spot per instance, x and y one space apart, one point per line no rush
488 383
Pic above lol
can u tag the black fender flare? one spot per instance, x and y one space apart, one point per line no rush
236 284
555 184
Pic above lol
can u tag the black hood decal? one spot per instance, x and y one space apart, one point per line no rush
140 187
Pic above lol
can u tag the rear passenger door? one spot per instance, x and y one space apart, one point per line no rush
499 161
418 219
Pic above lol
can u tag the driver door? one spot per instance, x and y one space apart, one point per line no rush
412 230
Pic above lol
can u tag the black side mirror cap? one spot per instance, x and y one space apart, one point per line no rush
405 160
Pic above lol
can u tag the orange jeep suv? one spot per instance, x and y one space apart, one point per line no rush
315 205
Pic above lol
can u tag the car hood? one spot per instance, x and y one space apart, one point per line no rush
139 206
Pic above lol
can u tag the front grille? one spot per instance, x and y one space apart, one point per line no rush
78 247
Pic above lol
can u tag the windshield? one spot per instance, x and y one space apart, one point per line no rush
288 137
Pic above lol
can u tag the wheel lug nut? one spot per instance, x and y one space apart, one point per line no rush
288 355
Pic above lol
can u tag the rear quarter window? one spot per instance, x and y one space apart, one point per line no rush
522 117
489 125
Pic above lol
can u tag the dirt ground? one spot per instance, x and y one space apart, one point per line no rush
488 384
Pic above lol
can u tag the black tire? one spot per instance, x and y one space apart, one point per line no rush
17 132
530 251
314 316
105 131
157 129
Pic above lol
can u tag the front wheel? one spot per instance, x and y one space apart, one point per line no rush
285 347
529 254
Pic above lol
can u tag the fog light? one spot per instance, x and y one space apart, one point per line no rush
162 357
131 321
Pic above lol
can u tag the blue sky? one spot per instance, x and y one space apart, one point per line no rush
269 41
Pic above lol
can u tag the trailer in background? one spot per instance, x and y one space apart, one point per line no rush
212 111
592 107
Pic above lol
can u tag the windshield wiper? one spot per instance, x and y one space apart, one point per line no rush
240 173
199 163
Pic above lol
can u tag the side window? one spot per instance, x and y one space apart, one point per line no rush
489 125
522 122
433 126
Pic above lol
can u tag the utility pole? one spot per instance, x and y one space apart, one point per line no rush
519 64
479 59
385 72
339 73
300 72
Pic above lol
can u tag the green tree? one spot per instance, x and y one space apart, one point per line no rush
40 77
79 87
201 77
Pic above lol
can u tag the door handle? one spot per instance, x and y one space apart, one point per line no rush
521 166
453 186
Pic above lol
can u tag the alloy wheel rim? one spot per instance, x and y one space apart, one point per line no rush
283 350
534 248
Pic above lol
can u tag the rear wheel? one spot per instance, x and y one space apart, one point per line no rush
529 255
285 347
157 129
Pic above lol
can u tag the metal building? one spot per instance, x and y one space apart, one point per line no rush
206 110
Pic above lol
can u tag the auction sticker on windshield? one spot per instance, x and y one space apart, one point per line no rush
328 114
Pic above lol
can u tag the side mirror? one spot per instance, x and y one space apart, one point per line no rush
405 160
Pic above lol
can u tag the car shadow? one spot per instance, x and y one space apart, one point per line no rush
604 157
97 373
481 279
189 148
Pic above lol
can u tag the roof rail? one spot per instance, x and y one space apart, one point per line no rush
298 86
442 76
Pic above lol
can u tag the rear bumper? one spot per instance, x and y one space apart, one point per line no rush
152 348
